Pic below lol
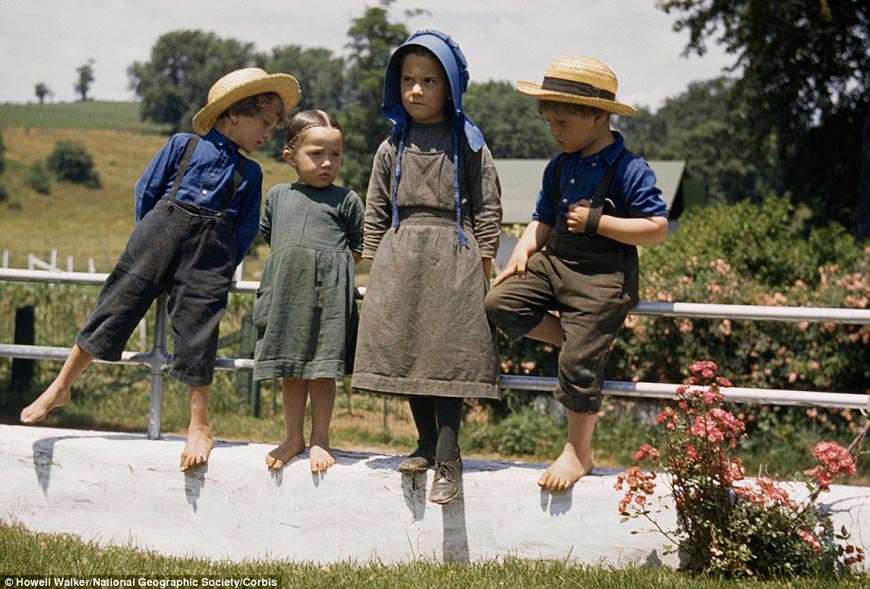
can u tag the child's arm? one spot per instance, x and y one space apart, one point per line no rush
354 212
534 238
379 208
251 195
266 217
485 202
633 231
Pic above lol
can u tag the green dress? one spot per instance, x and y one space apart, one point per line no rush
305 302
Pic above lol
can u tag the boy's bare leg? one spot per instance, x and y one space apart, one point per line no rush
294 394
549 330
322 391
575 462
58 392
199 442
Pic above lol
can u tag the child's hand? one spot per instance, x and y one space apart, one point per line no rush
577 215
516 265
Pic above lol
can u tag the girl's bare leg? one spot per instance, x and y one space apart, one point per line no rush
199 441
58 392
322 402
294 394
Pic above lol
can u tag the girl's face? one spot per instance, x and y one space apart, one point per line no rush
424 88
251 132
317 159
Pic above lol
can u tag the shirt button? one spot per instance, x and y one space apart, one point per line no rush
572 180
204 191
564 200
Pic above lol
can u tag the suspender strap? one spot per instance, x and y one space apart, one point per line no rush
238 176
182 165
600 194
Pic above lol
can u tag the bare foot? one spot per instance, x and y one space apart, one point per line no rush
320 457
567 469
197 447
54 396
277 458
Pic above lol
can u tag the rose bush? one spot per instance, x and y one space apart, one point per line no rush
726 525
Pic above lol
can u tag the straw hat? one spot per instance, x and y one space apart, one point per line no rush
241 84
578 79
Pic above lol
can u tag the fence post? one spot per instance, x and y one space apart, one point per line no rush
157 359
25 334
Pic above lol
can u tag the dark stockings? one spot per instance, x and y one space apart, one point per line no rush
437 420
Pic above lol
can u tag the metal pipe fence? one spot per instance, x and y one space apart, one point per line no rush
158 359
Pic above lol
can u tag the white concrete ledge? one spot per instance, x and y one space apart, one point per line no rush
118 488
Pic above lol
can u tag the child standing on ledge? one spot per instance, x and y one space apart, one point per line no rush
197 206
432 227
598 202
305 305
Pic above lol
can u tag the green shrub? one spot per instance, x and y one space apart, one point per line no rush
38 178
70 161
752 255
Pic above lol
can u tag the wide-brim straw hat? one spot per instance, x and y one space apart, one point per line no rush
578 79
241 84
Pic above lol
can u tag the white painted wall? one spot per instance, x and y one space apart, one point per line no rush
118 488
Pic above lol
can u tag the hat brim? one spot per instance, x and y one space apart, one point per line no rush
611 106
284 85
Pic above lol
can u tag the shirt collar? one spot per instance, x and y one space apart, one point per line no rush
221 140
609 153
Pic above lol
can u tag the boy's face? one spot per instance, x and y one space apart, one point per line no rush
318 158
424 88
576 133
251 131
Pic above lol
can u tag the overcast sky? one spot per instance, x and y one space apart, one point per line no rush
46 40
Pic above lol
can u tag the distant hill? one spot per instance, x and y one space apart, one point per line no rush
93 114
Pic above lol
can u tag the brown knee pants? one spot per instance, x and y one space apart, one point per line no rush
592 292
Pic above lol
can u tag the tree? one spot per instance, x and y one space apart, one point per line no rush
174 83
509 121
372 39
805 75
42 91
321 80
706 127
85 75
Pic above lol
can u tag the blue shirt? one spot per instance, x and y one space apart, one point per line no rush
208 178
633 191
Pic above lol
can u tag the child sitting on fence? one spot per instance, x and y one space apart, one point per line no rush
197 206
305 308
598 202
432 228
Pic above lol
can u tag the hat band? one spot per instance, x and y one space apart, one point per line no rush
577 88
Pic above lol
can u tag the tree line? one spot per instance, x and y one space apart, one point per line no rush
791 118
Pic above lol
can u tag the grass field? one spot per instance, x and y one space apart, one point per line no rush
117 116
75 220
43 555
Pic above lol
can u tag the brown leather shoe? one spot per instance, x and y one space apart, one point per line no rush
418 462
445 485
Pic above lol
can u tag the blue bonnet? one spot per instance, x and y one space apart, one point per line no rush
456 67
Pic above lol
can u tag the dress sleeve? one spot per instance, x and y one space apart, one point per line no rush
379 208
485 200
354 216
266 217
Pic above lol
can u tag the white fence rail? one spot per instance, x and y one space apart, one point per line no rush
159 360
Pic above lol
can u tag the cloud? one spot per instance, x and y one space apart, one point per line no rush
46 40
